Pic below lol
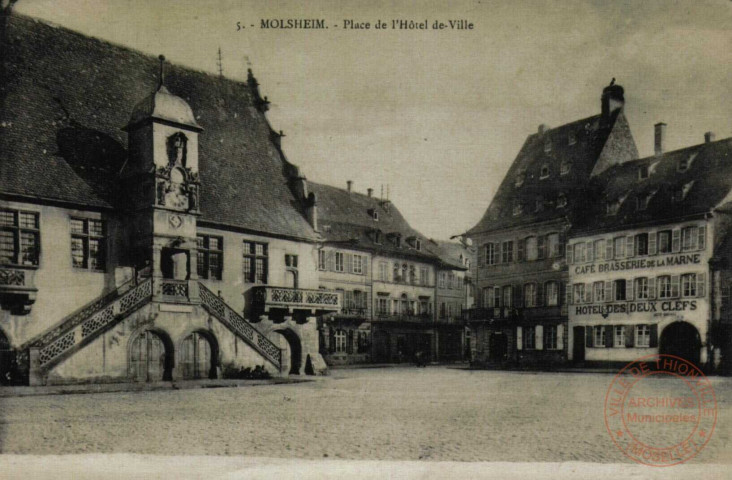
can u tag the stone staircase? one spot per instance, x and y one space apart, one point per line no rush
81 327
217 307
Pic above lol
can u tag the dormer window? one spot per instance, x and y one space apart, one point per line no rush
373 214
544 172
564 167
547 145
571 138
643 172
643 201
518 209
520 177
613 207
418 245
682 192
685 163
538 205
398 241
561 200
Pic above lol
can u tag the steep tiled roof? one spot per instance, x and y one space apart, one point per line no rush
65 98
670 190
451 253
348 218
579 145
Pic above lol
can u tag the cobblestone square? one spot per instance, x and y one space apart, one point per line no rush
436 413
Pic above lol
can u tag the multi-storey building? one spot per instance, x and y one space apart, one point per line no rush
150 226
386 272
647 258
521 273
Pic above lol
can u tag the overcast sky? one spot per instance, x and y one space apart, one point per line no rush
439 115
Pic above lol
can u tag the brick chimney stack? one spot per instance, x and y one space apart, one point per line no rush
709 137
370 192
613 98
350 185
659 138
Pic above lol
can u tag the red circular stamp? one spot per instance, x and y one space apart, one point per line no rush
660 410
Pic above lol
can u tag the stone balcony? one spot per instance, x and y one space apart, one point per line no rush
416 318
295 300
17 290
492 315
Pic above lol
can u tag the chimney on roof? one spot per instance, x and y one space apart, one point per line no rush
350 184
612 99
709 137
370 192
659 138
542 129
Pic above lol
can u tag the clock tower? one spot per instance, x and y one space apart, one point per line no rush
164 189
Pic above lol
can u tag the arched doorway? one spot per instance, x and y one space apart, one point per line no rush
151 358
498 347
6 360
682 340
381 351
198 356
293 351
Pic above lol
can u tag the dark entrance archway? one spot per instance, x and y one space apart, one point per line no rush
294 350
151 357
198 356
381 349
498 347
6 360
682 340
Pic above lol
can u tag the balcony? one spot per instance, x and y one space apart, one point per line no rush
17 290
480 314
292 299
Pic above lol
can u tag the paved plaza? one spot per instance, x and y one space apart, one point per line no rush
433 414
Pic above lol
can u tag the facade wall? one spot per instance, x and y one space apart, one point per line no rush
536 275
650 277
62 288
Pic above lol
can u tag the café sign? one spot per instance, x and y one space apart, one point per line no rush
662 261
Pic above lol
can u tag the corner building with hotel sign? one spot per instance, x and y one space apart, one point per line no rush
649 258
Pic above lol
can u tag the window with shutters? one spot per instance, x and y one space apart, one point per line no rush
580 252
642 336
396 278
640 288
488 297
339 261
413 275
496 296
663 284
599 249
322 263
507 251
532 249
598 291
688 285
529 338
209 256
530 295
618 336
619 288
641 244
88 239
664 241
491 253
552 245
382 304
290 260
255 262
340 341
579 293
599 336
383 271
357 264
441 279
550 337
19 237
551 293
689 238
507 296
618 247
424 276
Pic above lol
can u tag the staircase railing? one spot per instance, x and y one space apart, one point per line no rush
228 316
81 327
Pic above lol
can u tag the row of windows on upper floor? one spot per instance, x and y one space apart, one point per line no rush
20 240
533 247
687 239
621 336
688 285
548 294
679 193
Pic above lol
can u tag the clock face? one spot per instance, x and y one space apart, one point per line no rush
175 221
